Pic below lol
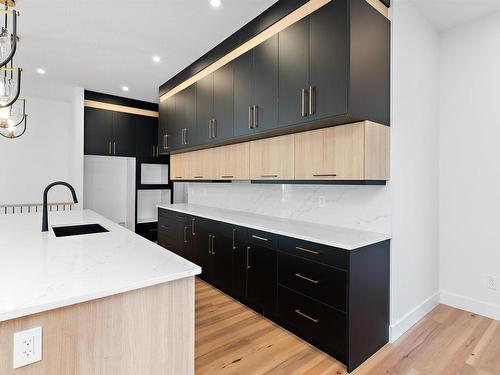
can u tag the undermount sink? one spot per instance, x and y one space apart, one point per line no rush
77 230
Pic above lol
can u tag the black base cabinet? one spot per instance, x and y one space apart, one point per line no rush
338 300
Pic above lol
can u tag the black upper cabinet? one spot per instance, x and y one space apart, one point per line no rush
147 136
294 73
109 133
166 124
222 123
124 134
313 66
204 108
184 124
256 89
266 85
328 61
98 134
330 68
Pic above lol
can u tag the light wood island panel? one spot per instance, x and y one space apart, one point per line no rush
146 331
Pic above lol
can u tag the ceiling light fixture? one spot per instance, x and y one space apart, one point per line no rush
8 38
215 3
156 59
125 88
13 120
41 71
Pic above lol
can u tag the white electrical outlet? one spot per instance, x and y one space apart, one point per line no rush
27 347
321 201
492 282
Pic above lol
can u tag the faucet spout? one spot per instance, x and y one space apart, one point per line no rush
45 220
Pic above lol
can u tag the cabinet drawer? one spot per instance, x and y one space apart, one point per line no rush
324 283
313 251
171 215
313 321
264 239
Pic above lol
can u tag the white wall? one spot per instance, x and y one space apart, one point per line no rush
469 194
47 152
414 167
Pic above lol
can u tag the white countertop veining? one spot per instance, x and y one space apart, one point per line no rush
40 272
344 238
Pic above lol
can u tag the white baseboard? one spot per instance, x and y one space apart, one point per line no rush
470 304
412 317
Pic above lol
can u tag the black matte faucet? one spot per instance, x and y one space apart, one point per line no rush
45 220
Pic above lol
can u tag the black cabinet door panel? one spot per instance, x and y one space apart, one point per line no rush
261 277
98 133
314 321
222 255
147 136
239 266
185 117
266 84
324 283
204 108
329 60
124 134
223 103
293 72
243 94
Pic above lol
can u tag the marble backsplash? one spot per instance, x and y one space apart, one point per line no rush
358 207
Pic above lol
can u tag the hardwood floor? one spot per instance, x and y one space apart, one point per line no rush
232 339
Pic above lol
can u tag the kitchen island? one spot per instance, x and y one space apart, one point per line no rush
108 303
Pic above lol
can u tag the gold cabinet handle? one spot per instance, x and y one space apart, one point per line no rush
307 250
185 234
260 238
303 103
153 151
306 316
255 117
234 238
213 245
248 258
193 221
269 175
300 276
214 128
325 175
210 129
114 148
165 141
109 147
250 120
312 100
227 176
209 244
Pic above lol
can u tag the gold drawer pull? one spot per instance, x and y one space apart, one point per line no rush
260 238
306 278
306 316
269 175
307 250
325 175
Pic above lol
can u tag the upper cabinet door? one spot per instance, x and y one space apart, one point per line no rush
124 134
294 73
244 97
327 93
166 124
204 108
185 118
98 134
222 124
147 136
272 158
265 111
335 153
231 162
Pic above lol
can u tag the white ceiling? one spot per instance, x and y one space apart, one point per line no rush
103 45
445 14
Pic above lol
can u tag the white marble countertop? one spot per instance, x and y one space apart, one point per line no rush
344 238
40 272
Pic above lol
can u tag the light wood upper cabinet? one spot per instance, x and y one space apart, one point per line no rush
200 165
272 158
231 162
353 152
349 152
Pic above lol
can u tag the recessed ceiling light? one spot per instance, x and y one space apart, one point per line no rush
41 71
156 59
215 3
125 88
